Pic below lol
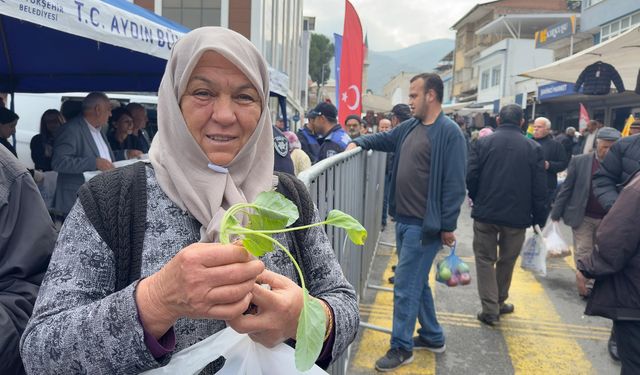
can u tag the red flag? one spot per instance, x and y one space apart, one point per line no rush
584 118
351 61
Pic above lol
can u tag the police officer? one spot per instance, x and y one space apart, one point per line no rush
334 138
282 155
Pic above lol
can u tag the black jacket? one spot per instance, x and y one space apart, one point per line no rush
567 143
39 153
597 79
621 162
615 260
555 154
26 243
506 179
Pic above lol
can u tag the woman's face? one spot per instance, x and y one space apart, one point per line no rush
124 125
221 108
53 122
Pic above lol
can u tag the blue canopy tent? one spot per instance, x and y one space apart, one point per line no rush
82 45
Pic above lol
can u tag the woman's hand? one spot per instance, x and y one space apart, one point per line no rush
277 314
211 281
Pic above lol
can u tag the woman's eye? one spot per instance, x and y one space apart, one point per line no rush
246 98
202 94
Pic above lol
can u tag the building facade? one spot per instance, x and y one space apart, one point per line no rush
469 44
274 27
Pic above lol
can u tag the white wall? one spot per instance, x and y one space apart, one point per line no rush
513 56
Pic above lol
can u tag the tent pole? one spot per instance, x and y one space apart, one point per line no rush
7 57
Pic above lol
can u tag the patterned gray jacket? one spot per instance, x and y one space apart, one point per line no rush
79 325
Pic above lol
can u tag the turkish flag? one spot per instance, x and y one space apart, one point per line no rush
351 61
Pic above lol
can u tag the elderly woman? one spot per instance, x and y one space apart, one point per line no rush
213 149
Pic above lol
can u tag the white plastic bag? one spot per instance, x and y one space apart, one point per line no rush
534 254
243 357
556 246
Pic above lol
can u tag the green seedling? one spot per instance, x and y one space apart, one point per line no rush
272 213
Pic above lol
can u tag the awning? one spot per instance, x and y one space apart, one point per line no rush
69 45
623 52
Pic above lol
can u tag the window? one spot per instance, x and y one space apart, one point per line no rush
619 26
495 75
484 82
591 3
193 13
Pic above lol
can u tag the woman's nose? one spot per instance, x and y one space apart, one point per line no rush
223 111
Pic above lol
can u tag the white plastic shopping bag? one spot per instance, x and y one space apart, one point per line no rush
534 254
556 246
243 357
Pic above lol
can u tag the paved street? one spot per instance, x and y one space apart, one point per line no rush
547 333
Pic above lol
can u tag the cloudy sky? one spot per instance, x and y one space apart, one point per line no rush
392 24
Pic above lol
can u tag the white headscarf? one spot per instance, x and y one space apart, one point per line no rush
182 168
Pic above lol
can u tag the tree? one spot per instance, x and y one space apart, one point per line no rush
320 53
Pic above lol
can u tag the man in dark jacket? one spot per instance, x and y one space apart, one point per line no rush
577 205
555 156
615 264
622 162
26 243
309 141
427 189
507 183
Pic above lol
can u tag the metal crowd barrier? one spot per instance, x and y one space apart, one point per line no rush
352 182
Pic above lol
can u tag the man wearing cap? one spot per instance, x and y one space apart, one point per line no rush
426 192
334 138
577 205
353 124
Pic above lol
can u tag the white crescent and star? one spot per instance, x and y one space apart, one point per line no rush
345 97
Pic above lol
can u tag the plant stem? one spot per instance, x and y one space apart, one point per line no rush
276 242
290 229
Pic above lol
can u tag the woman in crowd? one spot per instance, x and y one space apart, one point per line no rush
301 160
119 135
213 149
42 143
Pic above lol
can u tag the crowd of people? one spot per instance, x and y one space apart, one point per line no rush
138 273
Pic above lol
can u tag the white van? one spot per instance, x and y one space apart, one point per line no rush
30 108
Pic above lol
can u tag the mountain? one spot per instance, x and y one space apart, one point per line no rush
422 57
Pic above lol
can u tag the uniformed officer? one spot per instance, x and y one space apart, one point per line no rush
282 156
334 138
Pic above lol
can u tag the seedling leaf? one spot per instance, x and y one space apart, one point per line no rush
257 245
275 210
356 232
310 335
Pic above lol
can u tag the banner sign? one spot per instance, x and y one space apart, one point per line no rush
351 61
99 21
554 90
556 32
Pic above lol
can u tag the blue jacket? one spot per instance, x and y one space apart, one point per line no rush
448 169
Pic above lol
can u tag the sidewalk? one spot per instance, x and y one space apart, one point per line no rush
547 334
